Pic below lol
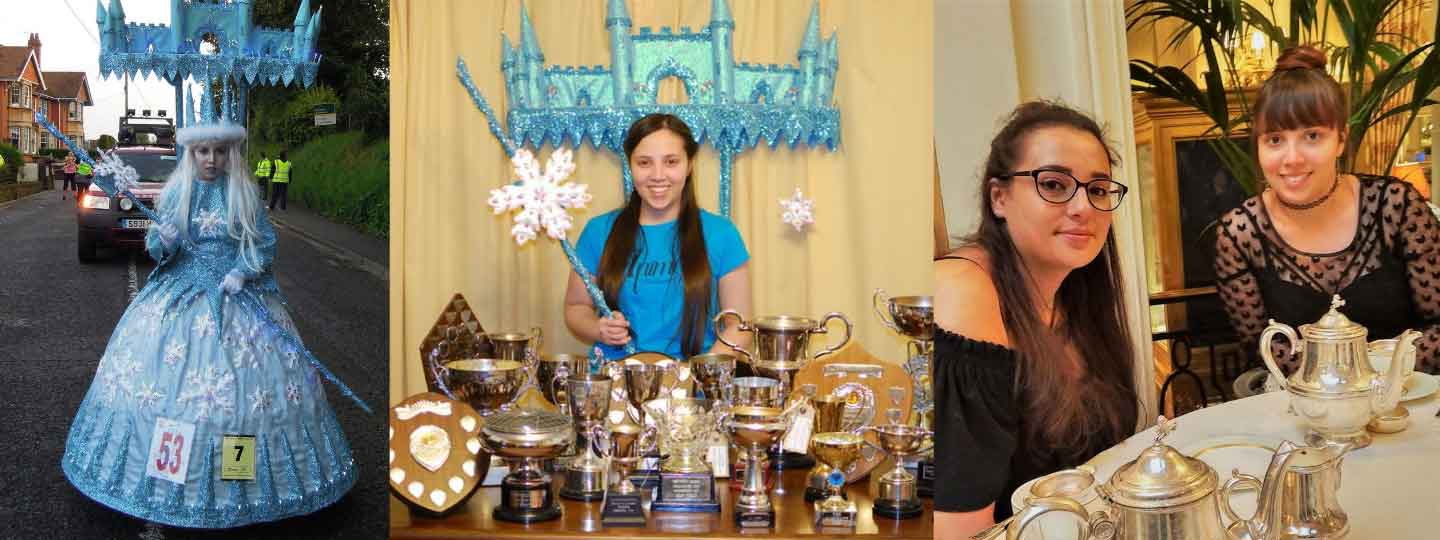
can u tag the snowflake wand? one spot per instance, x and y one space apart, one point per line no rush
111 175
542 199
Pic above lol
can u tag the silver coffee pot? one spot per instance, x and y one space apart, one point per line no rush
1162 494
1335 389
1299 497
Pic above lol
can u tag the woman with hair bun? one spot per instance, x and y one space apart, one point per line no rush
1316 232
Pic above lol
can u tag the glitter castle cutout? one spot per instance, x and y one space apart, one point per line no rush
731 105
209 41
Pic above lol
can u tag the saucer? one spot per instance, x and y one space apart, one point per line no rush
1419 385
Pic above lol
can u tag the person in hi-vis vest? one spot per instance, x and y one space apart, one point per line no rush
262 175
281 181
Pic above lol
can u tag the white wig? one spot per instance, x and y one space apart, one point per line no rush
242 200
215 133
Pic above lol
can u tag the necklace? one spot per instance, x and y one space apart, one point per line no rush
1311 204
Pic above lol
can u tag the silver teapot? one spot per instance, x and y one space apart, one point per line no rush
1162 494
1335 389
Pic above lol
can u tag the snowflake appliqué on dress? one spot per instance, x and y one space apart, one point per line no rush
204 325
208 221
147 397
209 391
292 359
174 352
260 401
119 372
292 393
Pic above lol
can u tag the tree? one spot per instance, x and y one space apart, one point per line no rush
105 142
354 45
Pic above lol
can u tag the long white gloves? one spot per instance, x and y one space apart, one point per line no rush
232 283
168 234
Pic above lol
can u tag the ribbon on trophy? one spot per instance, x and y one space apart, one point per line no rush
542 199
116 178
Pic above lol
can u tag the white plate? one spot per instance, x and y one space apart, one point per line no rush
1417 385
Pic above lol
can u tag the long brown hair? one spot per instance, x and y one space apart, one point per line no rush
1299 94
1064 416
620 247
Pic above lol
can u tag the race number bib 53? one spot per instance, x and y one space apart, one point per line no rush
170 450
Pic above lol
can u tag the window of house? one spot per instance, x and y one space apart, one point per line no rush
15 91
75 110
25 96
15 137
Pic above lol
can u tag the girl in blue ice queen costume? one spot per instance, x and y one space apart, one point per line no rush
191 381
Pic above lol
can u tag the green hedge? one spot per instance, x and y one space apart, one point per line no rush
13 160
345 179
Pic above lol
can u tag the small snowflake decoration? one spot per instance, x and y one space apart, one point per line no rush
110 164
541 198
208 221
798 211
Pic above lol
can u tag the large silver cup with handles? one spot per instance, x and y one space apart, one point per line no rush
781 338
587 399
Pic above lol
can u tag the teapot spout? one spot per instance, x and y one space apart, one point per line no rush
1391 384
1268 507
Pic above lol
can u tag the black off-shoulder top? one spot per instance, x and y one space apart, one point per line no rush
981 455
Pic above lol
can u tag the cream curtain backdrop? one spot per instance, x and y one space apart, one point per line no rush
1070 50
872 196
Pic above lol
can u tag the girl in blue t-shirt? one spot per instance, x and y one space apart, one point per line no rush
665 265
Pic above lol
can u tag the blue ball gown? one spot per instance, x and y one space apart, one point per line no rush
187 353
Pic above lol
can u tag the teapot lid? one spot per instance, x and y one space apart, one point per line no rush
1161 476
1333 326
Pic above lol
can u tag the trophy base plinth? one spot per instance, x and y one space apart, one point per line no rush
526 504
583 484
754 519
925 483
791 460
835 519
897 509
686 492
623 510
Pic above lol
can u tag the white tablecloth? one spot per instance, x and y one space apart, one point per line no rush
1390 490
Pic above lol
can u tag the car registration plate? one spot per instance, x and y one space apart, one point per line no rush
135 223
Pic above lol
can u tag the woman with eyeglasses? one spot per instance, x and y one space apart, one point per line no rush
1316 232
1033 362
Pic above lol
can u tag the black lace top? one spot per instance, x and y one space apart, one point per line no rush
981 454
1389 275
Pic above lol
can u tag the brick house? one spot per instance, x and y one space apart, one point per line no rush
24 86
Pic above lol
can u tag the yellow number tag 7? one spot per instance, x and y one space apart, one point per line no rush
239 457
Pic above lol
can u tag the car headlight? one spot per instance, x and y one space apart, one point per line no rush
126 204
92 201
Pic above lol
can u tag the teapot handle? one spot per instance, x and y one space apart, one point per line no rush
1266 337
1044 505
1237 481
